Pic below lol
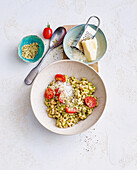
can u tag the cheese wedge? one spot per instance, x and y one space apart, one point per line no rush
90 49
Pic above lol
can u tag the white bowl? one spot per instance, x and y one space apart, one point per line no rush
71 68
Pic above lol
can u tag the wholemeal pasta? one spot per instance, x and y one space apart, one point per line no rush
76 104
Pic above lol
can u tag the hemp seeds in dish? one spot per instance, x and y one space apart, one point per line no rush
69 100
29 51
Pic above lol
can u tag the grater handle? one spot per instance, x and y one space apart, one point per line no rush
97 25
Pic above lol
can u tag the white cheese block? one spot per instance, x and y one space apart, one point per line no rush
90 49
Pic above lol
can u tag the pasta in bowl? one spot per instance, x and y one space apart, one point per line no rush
70 68
69 100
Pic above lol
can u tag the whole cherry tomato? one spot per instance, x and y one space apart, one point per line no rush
47 32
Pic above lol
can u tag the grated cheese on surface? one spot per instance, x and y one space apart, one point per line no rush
74 53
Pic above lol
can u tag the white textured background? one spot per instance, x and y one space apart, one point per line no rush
112 143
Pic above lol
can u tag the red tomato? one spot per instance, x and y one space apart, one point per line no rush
57 92
49 93
90 101
60 77
47 32
70 110
61 97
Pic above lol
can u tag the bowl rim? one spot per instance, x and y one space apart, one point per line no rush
22 58
61 61
93 62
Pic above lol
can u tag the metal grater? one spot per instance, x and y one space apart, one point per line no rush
86 33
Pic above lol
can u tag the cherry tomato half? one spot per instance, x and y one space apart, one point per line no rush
57 92
60 77
90 101
70 110
49 93
47 32
61 97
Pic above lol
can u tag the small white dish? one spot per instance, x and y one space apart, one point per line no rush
71 68
72 35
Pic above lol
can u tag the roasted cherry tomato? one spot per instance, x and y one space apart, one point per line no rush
47 32
60 77
70 110
90 101
61 97
49 93
57 92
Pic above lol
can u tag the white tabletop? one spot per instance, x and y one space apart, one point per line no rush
112 143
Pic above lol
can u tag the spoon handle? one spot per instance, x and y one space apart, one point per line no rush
33 73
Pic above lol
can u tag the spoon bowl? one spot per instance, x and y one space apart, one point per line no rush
57 37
